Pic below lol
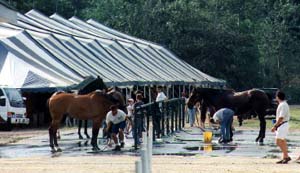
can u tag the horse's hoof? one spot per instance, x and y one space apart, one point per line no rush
257 139
53 150
80 137
58 150
88 137
118 148
96 148
261 143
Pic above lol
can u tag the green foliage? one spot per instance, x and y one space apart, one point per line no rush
248 43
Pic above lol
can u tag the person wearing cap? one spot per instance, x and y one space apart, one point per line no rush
115 120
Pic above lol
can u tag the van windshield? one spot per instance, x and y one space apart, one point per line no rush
14 97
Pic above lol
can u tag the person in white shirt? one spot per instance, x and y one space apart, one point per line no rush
115 120
156 119
160 94
281 127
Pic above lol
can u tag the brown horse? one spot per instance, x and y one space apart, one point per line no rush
253 101
93 106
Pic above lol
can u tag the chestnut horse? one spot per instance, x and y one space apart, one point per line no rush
254 101
93 106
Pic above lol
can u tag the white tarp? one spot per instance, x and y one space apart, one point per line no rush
61 52
26 64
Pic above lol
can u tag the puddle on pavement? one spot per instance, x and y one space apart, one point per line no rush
211 147
181 144
274 151
174 154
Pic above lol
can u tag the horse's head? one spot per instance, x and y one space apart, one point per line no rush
195 96
117 98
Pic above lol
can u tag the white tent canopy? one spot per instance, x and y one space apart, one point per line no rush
26 64
41 51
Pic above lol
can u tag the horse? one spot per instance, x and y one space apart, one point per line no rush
254 101
92 106
89 85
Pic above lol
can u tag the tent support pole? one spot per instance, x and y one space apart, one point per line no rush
149 88
179 91
127 97
173 92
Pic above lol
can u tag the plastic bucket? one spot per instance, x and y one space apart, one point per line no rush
207 136
208 148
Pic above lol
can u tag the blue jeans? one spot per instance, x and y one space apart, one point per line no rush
226 125
138 128
192 113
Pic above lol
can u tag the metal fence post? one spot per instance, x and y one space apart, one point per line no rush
168 118
176 115
135 131
172 117
162 113
182 103
153 112
179 112
146 113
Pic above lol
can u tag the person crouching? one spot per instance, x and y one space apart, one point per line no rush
115 120
224 117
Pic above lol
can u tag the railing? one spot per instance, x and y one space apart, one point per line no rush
166 117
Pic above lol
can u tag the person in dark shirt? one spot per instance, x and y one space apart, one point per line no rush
138 119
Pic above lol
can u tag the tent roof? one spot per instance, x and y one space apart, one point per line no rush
70 50
25 63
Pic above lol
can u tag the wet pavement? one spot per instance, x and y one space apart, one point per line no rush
186 143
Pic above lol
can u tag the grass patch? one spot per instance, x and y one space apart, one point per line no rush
294 121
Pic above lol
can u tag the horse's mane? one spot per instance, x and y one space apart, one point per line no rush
94 85
213 91
97 92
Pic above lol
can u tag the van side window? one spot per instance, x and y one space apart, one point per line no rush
1 93
2 101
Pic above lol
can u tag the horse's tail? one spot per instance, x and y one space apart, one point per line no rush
270 99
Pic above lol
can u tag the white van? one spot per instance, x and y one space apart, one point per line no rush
12 107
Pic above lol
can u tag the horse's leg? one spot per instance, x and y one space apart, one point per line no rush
54 130
240 119
262 129
52 135
85 129
95 131
51 138
203 114
79 128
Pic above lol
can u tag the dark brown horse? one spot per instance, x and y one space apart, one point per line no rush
92 106
254 101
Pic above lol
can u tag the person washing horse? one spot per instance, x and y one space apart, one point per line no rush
116 122
224 117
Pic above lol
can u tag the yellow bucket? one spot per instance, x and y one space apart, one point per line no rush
207 136
208 148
